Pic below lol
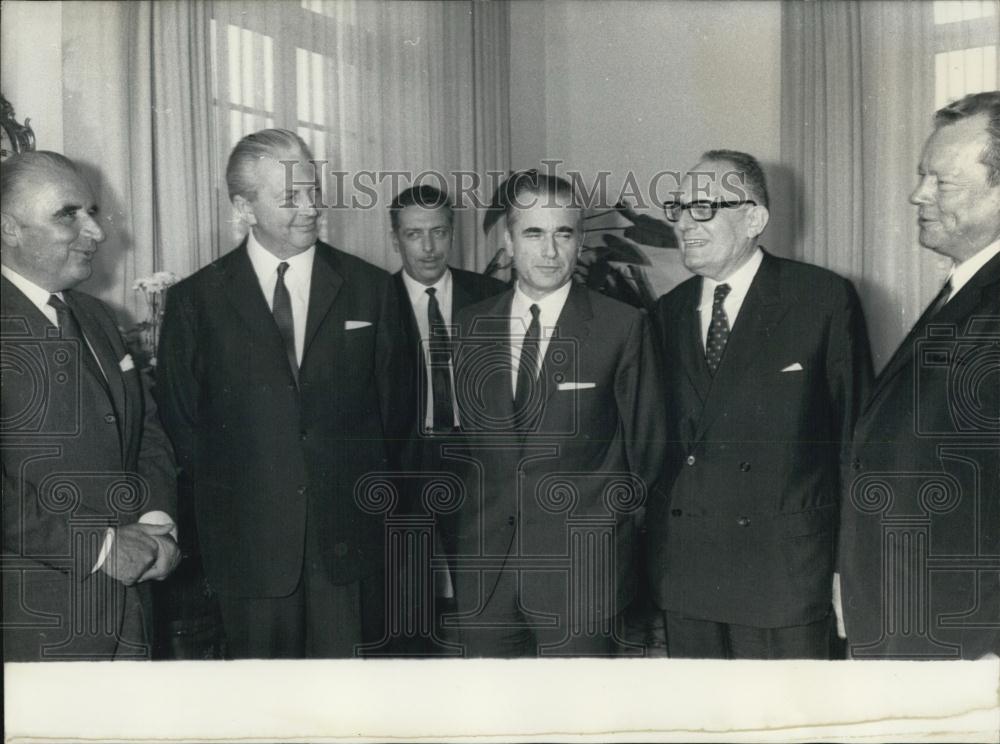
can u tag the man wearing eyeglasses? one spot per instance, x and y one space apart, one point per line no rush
766 365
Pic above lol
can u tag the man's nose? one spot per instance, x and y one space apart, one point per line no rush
920 194
550 248
92 229
686 221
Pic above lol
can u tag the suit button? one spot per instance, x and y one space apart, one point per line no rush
301 490
743 521
303 436
856 464
109 418
745 466
675 512
690 460
510 521
340 549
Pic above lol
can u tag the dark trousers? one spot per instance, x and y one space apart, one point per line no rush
505 628
318 620
692 638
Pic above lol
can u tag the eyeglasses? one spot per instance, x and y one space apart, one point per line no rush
701 210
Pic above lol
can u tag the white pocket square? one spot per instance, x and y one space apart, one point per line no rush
126 363
793 368
576 385
353 325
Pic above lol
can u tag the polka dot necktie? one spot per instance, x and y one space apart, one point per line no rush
718 329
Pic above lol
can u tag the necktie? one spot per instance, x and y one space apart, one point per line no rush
70 328
527 368
718 329
281 308
940 301
439 356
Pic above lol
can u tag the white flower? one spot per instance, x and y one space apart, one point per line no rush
155 283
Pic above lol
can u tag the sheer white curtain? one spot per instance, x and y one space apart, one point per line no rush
157 93
860 83
382 91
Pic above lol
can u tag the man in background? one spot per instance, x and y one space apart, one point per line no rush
282 387
432 293
920 533
88 474
563 417
766 366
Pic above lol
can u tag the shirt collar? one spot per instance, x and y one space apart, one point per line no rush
739 281
418 291
38 296
963 272
265 263
550 306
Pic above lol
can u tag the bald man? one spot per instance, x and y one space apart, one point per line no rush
88 474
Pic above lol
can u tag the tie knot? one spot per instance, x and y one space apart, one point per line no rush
721 292
282 268
57 303
535 311
431 291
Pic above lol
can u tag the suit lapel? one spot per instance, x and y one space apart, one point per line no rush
570 334
106 357
691 349
460 295
325 285
749 339
243 291
495 323
958 309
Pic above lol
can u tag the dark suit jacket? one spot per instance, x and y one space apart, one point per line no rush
920 537
590 464
748 533
74 462
256 449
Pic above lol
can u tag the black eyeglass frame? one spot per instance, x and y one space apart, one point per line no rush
714 205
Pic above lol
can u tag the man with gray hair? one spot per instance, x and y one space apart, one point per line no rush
920 531
767 364
89 482
282 387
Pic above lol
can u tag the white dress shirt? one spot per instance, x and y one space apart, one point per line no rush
739 284
550 307
963 272
419 300
298 280
40 298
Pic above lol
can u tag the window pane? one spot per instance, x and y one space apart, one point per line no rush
964 71
251 69
955 11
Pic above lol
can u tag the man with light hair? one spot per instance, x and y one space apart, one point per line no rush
920 530
282 387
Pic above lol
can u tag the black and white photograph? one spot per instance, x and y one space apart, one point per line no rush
500 370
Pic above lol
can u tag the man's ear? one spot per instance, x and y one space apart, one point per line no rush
245 210
395 240
508 241
10 230
759 217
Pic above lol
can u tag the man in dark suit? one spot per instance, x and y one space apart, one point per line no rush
281 387
920 537
767 363
88 474
422 233
562 428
